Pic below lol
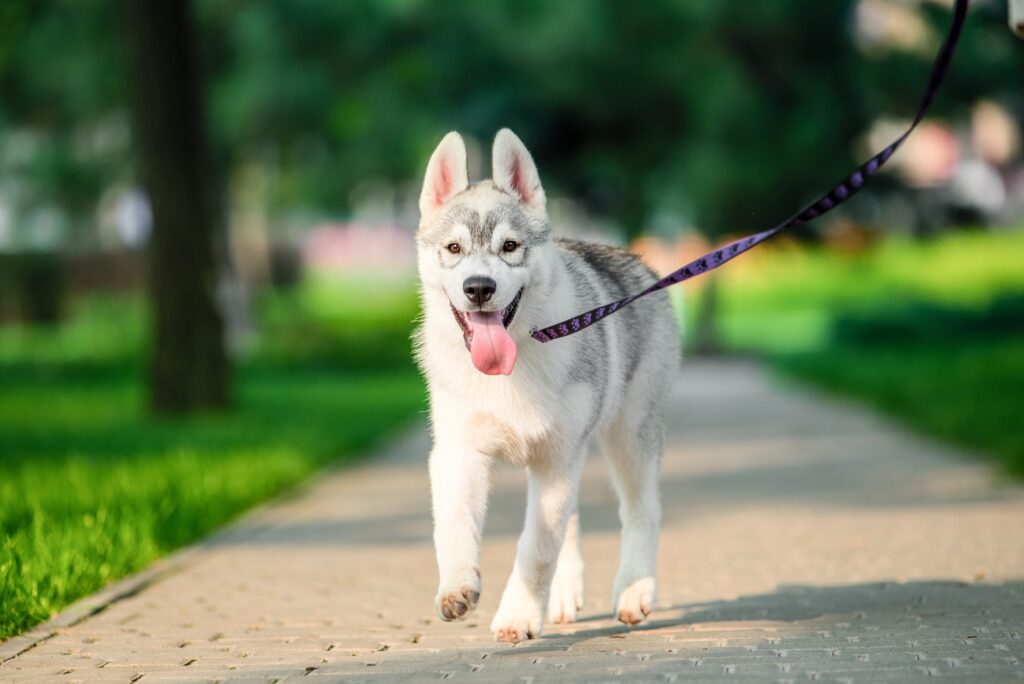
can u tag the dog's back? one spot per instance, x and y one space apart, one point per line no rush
633 353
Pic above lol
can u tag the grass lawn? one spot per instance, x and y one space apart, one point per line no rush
91 488
929 332
969 393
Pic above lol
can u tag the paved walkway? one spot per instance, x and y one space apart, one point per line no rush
804 539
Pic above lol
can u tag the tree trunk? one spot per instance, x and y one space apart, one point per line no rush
189 366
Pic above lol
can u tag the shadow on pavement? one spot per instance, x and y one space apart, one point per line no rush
841 615
686 498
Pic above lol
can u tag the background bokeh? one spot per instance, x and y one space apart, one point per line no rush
207 279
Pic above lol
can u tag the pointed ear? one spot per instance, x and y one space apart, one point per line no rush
447 174
513 170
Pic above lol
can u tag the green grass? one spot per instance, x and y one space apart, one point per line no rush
91 488
929 332
784 297
969 393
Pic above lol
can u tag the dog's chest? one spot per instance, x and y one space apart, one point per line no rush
514 424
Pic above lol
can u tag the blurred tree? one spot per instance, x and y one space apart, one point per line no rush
62 133
725 114
189 367
722 115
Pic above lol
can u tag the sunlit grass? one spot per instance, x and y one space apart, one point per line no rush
92 488
931 332
783 297
101 328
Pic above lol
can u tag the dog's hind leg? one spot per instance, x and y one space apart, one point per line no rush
632 446
566 597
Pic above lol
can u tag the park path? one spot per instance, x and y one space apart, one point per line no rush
804 539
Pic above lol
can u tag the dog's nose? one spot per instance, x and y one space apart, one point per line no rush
479 289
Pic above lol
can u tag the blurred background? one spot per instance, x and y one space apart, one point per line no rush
207 212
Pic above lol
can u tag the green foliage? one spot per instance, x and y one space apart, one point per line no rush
930 332
63 136
92 489
625 103
726 114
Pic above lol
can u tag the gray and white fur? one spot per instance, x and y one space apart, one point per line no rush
530 404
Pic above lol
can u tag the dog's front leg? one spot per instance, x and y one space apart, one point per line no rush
459 485
551 497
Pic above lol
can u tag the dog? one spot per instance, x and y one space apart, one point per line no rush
489 270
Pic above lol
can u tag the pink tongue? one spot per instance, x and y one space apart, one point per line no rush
492 348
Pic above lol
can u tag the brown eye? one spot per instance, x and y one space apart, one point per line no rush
453 247
509 246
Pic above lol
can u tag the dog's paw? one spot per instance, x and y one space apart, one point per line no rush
635 602
519 616
456 600
517 624
566 598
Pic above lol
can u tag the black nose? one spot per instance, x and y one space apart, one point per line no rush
479 289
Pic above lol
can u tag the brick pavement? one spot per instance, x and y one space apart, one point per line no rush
804 539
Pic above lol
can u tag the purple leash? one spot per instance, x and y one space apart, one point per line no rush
842 192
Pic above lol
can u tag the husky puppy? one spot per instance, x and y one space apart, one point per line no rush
490 270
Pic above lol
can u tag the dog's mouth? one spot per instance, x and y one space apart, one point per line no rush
486 336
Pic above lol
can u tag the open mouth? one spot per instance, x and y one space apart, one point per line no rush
485 333
463 318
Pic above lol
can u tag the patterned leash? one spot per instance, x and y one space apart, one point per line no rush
842 192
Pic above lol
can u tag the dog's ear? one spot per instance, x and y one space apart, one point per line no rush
447 174
513 170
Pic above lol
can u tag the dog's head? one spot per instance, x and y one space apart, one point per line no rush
479 244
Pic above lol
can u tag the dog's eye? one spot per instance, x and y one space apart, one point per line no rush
453 247
509 246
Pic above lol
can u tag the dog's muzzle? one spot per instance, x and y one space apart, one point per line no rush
491 348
